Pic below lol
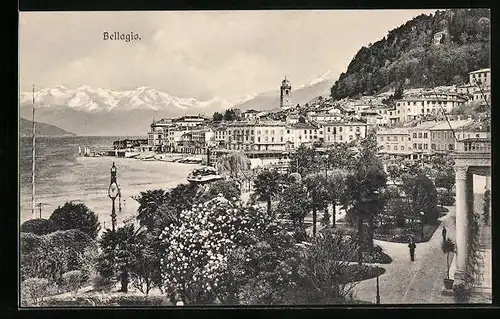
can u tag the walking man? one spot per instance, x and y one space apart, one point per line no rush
412 247
444 233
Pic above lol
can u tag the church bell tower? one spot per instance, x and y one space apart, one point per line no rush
285 94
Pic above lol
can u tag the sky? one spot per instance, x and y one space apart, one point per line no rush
196 54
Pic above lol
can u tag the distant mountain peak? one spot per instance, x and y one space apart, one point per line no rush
329 75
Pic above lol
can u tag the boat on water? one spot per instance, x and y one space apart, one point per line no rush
131 154
204 175
190 160
145 156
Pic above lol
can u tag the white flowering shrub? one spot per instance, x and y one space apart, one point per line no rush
195 256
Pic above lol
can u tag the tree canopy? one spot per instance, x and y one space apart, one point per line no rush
408 55
76 216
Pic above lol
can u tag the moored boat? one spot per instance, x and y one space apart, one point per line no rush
204 175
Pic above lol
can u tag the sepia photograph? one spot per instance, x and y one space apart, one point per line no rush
254 158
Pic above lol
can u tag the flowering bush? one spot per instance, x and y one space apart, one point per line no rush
196 250
72 280
33 290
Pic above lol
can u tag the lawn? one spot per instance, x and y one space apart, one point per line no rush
377 256
397 234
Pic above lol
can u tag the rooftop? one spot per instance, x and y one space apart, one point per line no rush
304 126
251 111
397 130
475 126
425 125
481 71
445 125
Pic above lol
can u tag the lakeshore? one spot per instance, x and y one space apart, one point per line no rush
63 176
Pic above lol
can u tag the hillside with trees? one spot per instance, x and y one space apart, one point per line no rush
408 55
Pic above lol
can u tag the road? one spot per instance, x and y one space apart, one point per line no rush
407 282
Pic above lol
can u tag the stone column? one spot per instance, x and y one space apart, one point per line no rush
462 223
488 183
469 185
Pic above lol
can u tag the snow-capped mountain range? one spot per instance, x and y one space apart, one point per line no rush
100 111
86 98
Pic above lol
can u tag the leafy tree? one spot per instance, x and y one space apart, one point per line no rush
408 56
33 290
294 205
263 270
76 216
37 226
394 172
230 115
228 189
159 208
73 280
194 260
268 185
51 255
145 271
340 156
305 161
423 195
325 273
445 179
233 164
217 117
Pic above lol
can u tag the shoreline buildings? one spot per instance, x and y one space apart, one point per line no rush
414 127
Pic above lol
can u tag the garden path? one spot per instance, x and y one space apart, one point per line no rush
407 282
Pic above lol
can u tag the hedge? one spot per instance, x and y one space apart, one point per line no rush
108 301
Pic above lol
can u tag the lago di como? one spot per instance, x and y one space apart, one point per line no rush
255 158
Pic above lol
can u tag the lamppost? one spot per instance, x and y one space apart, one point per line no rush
378 290
113 192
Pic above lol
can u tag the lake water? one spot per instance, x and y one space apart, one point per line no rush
62 175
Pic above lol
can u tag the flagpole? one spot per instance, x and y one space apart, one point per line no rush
33 208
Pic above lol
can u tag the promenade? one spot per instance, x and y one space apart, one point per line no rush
421 281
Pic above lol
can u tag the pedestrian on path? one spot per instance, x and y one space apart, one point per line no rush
412 247
444 233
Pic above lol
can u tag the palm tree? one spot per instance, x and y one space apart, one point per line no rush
317 194
119 253
149 201
268 185
363 191
335 189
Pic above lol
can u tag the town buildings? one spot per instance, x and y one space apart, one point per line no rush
479 86
269 137
429 103
395 142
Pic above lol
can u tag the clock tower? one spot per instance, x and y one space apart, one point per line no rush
285 94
